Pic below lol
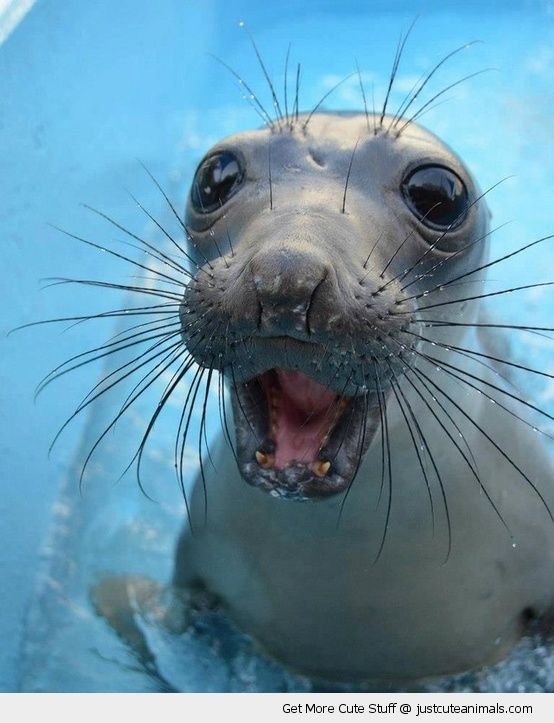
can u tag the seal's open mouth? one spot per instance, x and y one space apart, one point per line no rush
296 437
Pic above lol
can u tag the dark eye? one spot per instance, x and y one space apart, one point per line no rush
215 181
437 196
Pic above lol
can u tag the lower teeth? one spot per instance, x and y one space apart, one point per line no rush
320 468
265 460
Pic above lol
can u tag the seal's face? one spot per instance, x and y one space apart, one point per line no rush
314 247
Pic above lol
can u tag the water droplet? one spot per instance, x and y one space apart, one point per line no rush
514 545
241 23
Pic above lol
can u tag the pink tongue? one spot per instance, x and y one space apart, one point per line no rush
306 412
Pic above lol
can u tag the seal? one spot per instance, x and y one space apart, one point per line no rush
362 371
378 506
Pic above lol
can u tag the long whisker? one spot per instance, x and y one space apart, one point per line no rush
314 109
348 176
276 104
438 95
252 97
363 94
499 449
132 311
389 464
395 65
473 298
484 266
145 243
165 294
412 97
455 443
438 363
394 382
435 467
482 355
285 88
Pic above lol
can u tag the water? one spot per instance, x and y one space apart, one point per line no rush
89 90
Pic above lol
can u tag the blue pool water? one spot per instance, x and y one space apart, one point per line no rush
89 88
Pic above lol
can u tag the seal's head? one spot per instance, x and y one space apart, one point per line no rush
315 245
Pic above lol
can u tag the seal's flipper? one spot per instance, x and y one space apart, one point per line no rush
124 599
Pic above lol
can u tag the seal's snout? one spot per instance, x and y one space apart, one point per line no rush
286 281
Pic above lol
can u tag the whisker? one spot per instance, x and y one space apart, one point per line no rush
363 93
287 121
435 467
412 97
90 397
179 221
296 94
314 109
151 348
252 97
359 450
438 95
165 294
269 174
113 423
276 104
486 265
452 256
438 363
482 355
436 242
473 298
183 442
395 64
394 382
105 350
120 256
348 175
492 386
439 323
460 450
389 464
145 243
489 438
132 311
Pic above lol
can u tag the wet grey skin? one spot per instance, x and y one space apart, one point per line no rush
427 543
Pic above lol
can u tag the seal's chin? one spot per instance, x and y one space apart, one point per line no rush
297 438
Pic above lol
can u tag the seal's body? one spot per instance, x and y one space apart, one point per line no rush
372 585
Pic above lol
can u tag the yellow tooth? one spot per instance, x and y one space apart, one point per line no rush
265 460
321 468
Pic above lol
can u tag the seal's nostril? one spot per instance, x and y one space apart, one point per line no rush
316 158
